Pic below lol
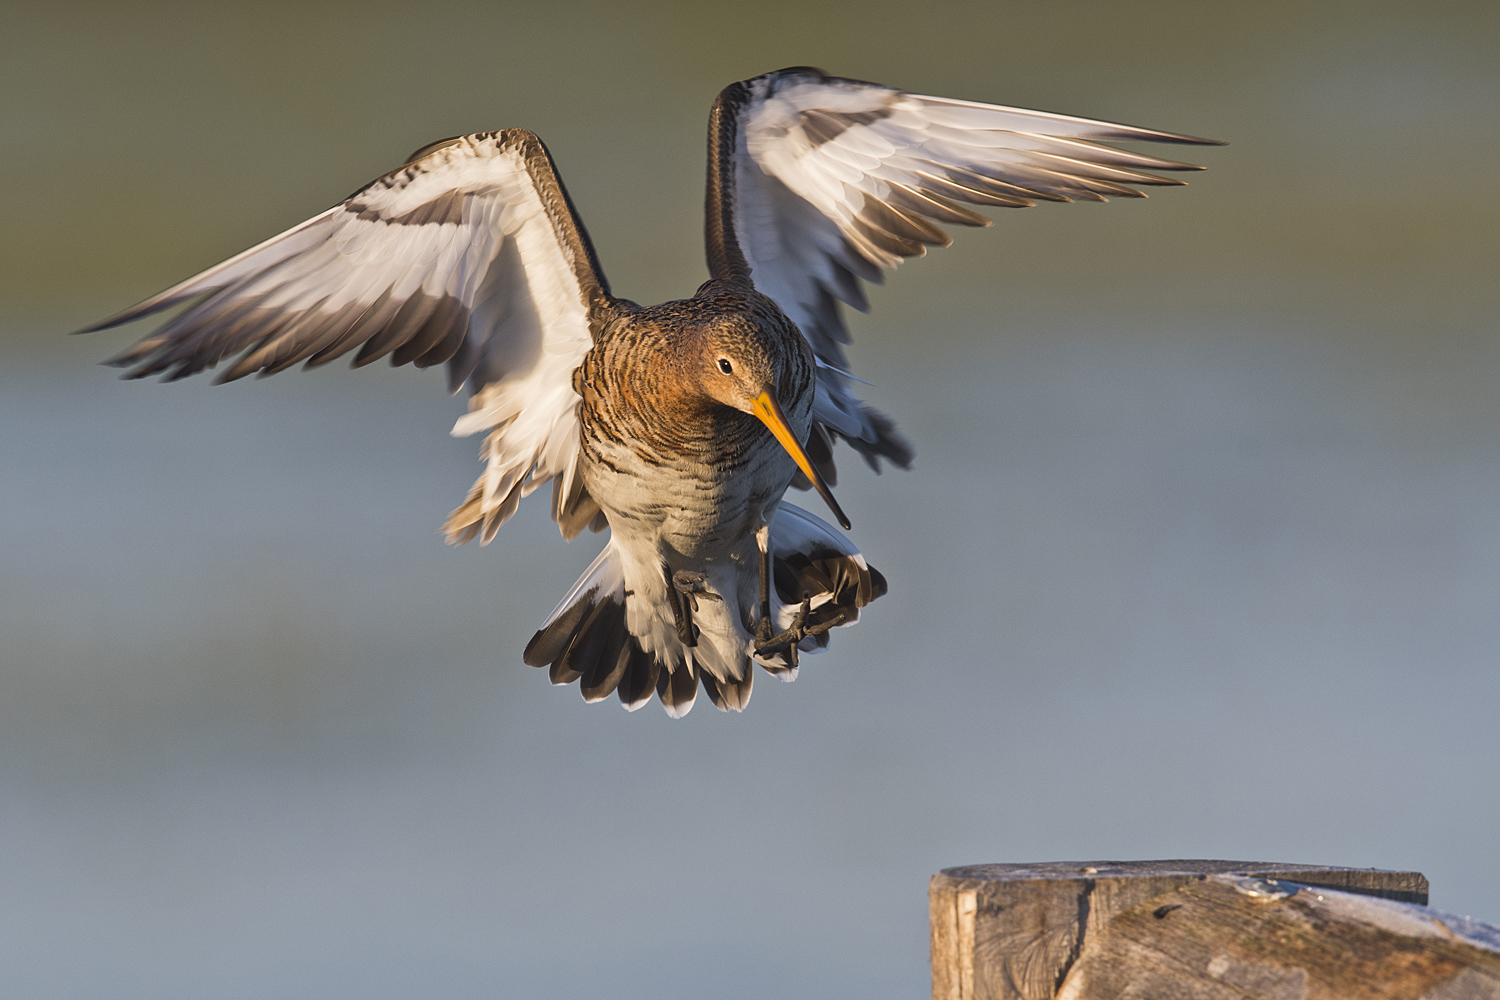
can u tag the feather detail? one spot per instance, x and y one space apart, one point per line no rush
817 181
614 633
470 254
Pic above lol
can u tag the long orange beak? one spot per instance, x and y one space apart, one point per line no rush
768 410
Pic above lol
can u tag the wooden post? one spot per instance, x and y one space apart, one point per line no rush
1185 930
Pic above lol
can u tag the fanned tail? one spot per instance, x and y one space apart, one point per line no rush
588 637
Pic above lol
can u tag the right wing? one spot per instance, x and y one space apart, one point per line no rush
470 254
816 182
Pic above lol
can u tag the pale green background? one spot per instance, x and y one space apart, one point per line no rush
1200 557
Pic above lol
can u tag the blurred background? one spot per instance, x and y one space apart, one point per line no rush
1200 556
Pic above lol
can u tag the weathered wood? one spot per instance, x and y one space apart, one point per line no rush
1228 938
1089 930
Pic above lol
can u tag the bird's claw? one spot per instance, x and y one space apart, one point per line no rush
692 585
770 645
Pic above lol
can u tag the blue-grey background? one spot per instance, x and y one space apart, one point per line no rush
1200 556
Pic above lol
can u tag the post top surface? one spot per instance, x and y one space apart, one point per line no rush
1129 869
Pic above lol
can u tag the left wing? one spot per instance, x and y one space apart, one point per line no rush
817 182
471 255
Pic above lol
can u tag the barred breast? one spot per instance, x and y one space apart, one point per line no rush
662 460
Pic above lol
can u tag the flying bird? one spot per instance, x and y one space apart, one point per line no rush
678 427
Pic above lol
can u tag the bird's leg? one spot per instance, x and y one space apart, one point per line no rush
692 585
682 611
763 542
787 641
767 644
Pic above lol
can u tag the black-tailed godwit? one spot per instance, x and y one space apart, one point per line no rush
678 427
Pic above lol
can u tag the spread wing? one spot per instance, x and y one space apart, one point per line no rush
817 183
470 254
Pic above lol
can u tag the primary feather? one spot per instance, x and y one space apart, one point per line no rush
817 183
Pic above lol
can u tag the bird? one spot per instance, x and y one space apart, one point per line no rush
677 428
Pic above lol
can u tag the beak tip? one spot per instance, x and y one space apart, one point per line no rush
768 411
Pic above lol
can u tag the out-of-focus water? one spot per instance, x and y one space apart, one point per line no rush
1200 556
265 735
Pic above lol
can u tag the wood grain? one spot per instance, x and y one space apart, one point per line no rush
1211 940
1019 932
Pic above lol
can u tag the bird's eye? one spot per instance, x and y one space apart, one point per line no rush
725 366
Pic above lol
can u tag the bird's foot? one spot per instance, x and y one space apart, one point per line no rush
771 645
692 585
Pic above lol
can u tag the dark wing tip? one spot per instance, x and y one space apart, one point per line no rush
231 376
1186 140
811 71
432 147
1135 133
124 359
118 319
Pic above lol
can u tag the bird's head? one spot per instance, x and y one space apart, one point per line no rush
737 366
